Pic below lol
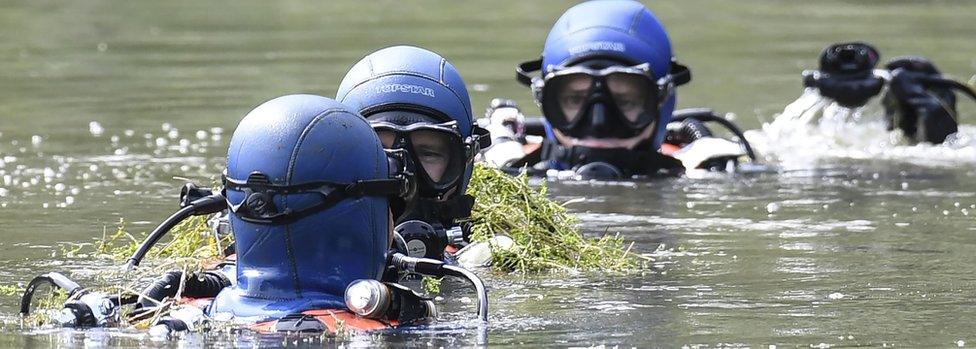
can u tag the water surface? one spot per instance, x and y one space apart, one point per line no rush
103 103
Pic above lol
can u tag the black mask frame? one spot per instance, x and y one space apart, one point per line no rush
662 88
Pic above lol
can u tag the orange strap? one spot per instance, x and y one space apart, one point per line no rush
334 320
669 149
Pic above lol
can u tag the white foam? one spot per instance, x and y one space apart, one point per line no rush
812 129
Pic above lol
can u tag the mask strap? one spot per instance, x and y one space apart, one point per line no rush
258 206
523 69
680 73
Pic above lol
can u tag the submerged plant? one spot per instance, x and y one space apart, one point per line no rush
546 236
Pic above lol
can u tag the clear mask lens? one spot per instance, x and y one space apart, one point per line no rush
567 97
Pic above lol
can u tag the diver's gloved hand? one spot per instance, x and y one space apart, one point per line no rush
710 153
479 254
506 125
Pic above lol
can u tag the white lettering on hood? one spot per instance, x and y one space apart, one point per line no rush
406 88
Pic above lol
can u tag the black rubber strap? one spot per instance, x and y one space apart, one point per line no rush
523 69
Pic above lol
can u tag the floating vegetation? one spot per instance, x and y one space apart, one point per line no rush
10 290
192 243
191 246
431 285
546 236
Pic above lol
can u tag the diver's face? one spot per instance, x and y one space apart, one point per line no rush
573 95
629 93
601 104
431 149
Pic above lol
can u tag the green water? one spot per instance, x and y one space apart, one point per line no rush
870 250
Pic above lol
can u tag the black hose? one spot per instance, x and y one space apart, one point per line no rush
157 234
952 84
708 116
53 279
206 205
199 285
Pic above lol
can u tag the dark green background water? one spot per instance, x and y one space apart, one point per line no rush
859 252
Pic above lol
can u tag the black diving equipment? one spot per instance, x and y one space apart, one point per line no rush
84 308
920 101
704 115
433 267
425 240
846 74
204 284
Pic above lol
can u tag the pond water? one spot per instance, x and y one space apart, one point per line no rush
854 241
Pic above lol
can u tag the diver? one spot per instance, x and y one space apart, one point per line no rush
917 99
308 185
416 101
606 87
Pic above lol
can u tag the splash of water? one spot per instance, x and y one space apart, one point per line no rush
813 130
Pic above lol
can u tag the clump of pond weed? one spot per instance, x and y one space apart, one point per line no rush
546 236
189 246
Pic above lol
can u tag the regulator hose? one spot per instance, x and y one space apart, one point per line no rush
435 267
198 285
706 115
206 205
54 279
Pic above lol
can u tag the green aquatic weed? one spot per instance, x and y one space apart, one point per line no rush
10 290
431 285
547 237
191 242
